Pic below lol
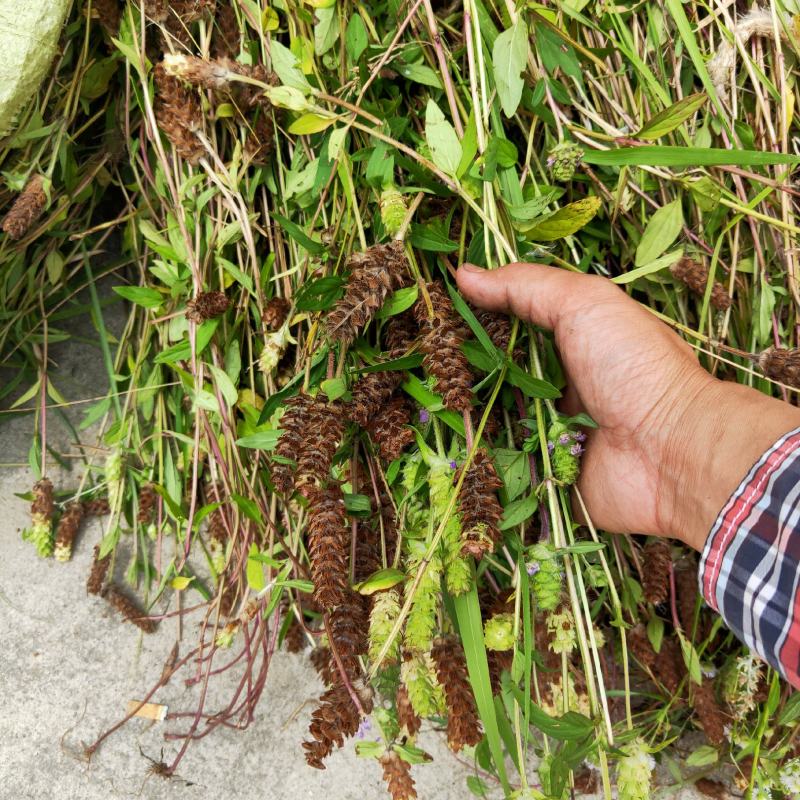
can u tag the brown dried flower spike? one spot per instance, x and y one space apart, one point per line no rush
389 429
329 547
68 527
128 609
463 725
178 114
695 276
206 305
480 510
781 365
275 312
397 775
374 274
657 557
26 209
442 337
97 576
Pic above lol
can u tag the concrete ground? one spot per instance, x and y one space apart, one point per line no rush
69 668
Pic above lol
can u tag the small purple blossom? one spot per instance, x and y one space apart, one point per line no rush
532 567
580 436
576 450
564 439
363 728
550 161
551 447
424 416
453 465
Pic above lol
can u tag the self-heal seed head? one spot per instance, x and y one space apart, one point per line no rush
393 210
498 632
563 160
634 771
789 777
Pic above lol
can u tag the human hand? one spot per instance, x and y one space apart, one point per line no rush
673 442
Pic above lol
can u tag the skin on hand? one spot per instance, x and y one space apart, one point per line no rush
673 442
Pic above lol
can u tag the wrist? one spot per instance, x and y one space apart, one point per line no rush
717 432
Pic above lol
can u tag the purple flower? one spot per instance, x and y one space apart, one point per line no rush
532 567
564 439
424 416
363 728
550 447
576 450
580 436
453 465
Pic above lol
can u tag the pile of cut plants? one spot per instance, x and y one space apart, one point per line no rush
311 441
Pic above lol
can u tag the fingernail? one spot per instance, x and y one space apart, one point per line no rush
472 267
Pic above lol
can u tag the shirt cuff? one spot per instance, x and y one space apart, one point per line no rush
750 564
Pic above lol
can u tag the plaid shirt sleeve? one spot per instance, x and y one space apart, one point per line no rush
750 567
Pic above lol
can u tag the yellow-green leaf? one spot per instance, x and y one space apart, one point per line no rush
661 231
269 19
671 118
380 580
442 139
311 123
565 221
665 261
181 582
255 570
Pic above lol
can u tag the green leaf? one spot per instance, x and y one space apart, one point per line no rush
664 262
470 627
379 581
703 756
398 302
671 118
442 139
311 123
791 711
182 350
370 749
355 37
255 571
509 59
358 505
326 31
517 512
420 73
261 440
429 237
248 507
477 786
661 231
532 387
224 384
140 295
320 294
691 659
566 221
181 582
686 157
334 388
412 755
287 67
655 632
480 334
514 469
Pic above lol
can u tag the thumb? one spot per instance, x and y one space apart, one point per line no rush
532 292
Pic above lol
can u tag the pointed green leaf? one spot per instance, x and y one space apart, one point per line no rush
509 59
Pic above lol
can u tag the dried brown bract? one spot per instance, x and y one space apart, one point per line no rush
323 663
656 561
397 775
155 10
67 531
26 208
226 39
442 337
275 312
97 575
479 507
587 781
147 503
96 507
335 719
713 789
463 725
108 14
400 334
217 74
43 505
128 609
206 305
349 623
329 546
369 394
408 719
686 591
640 646
497 326
695 276
374 274
389 429
295 639
294 424
782 365
368 551
709 712
179 115
322 438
